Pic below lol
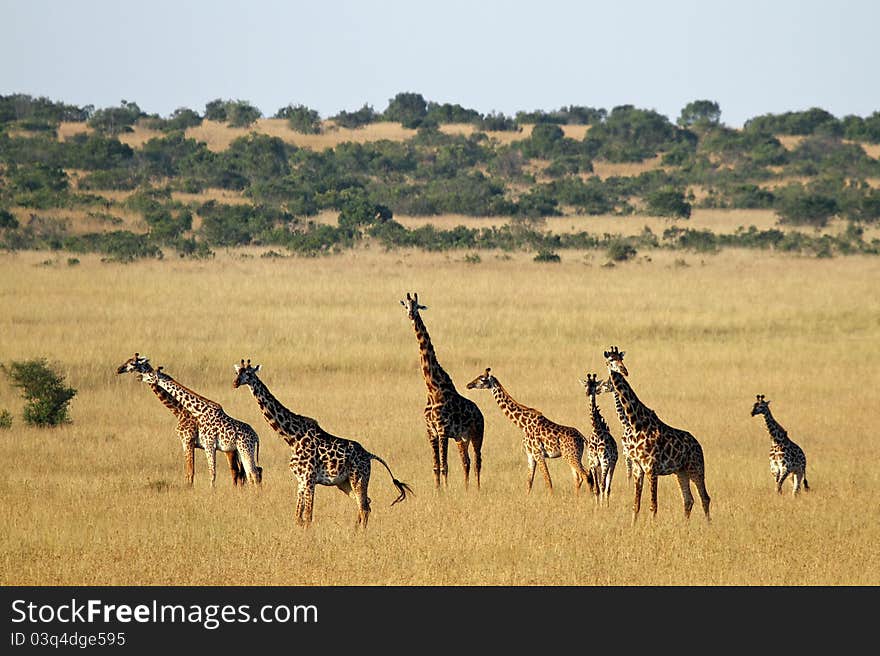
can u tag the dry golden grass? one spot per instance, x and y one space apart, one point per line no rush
102 500
625 169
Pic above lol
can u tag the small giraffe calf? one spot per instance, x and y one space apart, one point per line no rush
542 438
786 457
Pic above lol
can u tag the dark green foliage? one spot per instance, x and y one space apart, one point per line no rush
181 119
632 135
5 419
498 122
44 391
572 115
301 119
620 250
811 121
796 205
700 114
448 113
364 116
7 219
862 129
668 201
237 113
118 245
546 256
408 109
20 107
116 120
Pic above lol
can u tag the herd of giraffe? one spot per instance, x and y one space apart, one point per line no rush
650 447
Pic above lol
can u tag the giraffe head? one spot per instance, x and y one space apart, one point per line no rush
484 381
614 360
412 305
761 407
137 363
245 374
593 385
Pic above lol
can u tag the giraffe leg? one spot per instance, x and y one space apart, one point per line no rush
189 453
300 504
360 483
444 463
531 477
637 488
308 500
700 481
465 459
234 466
545 472
435 452
795 484
211 455
780 480
684 482
477 446
652 482
578 480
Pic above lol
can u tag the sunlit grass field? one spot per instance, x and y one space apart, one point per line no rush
102 500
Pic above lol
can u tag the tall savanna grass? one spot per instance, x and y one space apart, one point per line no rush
102 500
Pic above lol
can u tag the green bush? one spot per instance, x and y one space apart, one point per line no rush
301 119
44 390
668 201
5 419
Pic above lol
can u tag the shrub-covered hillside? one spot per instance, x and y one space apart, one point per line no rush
72 178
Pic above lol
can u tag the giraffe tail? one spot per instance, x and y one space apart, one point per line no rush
402 487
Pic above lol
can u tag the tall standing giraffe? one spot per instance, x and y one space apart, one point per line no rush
316 456
658 448
602 447
187 426
542 438
448 415
786 457
217 430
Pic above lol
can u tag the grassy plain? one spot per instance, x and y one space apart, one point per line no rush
102 500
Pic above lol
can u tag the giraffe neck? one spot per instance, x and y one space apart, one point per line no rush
167 400
621 413
196 404
777 432
599 425
280 418
518 413
638 415
437 380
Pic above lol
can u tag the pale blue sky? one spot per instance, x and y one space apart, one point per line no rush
751 56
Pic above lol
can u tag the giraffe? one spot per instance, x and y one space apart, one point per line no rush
602 448
187 426
542 438
217 430
627 439
786 457
317 457
448 415
658 449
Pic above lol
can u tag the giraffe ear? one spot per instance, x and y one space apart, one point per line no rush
257 368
